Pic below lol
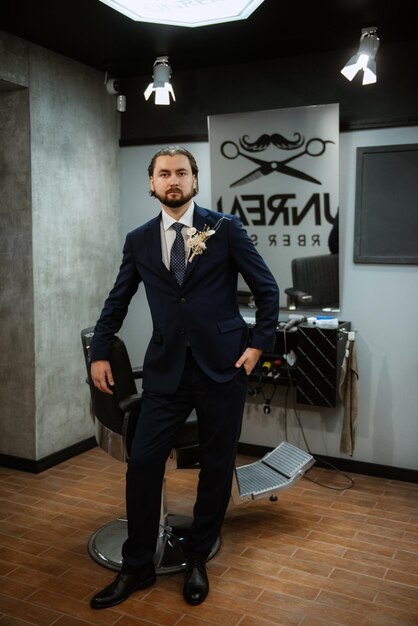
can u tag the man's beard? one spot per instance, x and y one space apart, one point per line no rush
174 203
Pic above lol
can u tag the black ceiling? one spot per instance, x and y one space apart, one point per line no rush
96 35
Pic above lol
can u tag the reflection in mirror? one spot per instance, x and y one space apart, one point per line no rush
316 278
315 283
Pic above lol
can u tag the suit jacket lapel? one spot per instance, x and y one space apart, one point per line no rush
154 248
199 222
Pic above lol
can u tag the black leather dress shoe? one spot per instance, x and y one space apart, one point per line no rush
196 583
122 587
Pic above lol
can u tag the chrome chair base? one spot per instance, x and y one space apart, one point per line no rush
105 545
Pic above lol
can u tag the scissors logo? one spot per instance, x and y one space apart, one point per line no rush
314 148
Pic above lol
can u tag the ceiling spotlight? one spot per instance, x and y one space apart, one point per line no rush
364 59
161 82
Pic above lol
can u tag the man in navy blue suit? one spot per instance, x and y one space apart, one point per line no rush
199 356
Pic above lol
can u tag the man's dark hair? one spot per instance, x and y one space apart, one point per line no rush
172 151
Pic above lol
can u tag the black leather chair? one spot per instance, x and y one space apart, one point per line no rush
315 282
114 418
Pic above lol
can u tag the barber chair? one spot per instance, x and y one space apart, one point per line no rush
315 282
114 418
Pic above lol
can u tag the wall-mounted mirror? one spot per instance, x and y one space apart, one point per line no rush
278 171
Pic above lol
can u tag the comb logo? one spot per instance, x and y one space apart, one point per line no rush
315 147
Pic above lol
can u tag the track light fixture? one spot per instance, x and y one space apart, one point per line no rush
161 82
364 59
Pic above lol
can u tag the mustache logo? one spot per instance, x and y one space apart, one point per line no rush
265 140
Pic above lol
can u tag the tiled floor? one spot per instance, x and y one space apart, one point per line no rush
319 556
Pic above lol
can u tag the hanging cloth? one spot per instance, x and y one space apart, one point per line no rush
348 390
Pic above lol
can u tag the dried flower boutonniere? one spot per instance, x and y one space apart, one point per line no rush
196 241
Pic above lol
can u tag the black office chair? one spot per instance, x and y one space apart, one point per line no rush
114 418
315 282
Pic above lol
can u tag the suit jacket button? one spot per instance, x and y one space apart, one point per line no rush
183 300
183 332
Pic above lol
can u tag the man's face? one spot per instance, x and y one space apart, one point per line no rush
172 181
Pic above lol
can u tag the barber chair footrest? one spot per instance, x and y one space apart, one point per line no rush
276 471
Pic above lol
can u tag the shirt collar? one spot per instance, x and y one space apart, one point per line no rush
186 219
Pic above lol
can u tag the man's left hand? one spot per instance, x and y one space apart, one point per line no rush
249 359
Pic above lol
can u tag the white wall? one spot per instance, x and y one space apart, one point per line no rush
382 303
379 300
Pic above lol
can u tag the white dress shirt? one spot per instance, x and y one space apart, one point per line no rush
168 234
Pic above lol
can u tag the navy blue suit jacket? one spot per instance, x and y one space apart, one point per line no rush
202 313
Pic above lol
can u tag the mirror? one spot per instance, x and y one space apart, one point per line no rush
278 171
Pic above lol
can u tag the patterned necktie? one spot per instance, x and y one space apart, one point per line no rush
178 255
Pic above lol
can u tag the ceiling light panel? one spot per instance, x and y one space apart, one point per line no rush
190 13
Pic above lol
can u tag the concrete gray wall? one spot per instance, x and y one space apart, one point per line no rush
68 232
17 365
